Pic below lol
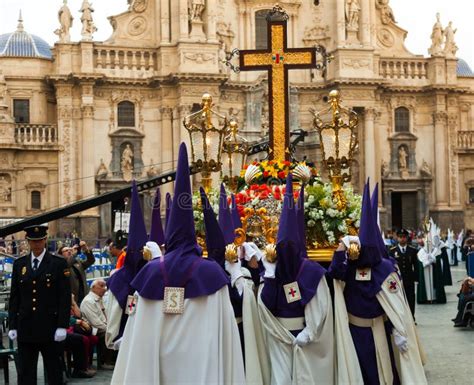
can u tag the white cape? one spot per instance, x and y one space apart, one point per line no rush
200 346
409 364
257 364
308 365
114 313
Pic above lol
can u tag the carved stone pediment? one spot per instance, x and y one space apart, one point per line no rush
126 133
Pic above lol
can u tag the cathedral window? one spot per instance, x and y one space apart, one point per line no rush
402 119
471 195
126 114
261 29
21 110
35 200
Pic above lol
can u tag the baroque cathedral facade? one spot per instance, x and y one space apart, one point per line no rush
83 117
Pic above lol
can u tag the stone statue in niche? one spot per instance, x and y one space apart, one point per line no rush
402 158
384 169
102 170
352 15
127 163
386 12
88 26
65 20
425 169
196 9
5 188
450 47
436 38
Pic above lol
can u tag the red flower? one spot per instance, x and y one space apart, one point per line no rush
277 196
263 195
254 187
266 174
276 189
287 163
281 175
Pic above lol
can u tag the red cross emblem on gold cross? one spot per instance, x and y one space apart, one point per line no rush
277 60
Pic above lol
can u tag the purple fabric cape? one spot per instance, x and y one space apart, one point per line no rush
292 265
120 282
183 264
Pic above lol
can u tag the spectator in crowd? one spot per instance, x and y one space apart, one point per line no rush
105 251
465 295
93 311
78 269
77 342
117 252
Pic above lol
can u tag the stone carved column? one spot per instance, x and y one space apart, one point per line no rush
167 145
340 23
184 110
211 21
166 138
67 159
441 169
165 21
369 144
453 160
365 26
183 20
87 138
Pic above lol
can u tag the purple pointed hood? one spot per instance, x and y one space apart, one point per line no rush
119 282
370 253
169 201
214 238
225 218
235 214
291 264
156 232
183 265
301 220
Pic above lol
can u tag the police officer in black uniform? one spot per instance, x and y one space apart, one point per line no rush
39 309
407 260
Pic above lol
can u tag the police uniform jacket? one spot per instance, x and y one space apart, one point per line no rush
407 263
40 302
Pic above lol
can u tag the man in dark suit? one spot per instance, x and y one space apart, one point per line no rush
39 309
406 257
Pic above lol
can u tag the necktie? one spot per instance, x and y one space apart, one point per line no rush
35 264
403 250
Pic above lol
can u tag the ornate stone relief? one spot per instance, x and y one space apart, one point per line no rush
356 63
318 34
137 26
386 37
386 12
453 161
138 6
225 35
5 188
197 57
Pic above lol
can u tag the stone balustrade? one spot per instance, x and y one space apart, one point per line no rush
466 140
112 58
36 134
403 68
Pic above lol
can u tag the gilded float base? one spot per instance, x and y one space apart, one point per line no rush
321 255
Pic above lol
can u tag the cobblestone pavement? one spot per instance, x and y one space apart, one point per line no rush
450 351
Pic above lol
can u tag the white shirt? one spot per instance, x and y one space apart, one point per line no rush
93 310
39 258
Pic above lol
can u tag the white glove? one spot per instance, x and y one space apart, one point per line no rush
234 270
118 343
303 338
250 250
60 335
12 334
400 341
348 239
269 268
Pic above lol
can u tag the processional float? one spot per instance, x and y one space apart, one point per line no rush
331 209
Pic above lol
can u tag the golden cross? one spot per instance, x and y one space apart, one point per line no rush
277 61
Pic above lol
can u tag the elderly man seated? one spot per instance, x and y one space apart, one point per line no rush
465 295
93 311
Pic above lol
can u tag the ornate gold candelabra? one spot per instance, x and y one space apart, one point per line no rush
338 143
206 139
234 152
